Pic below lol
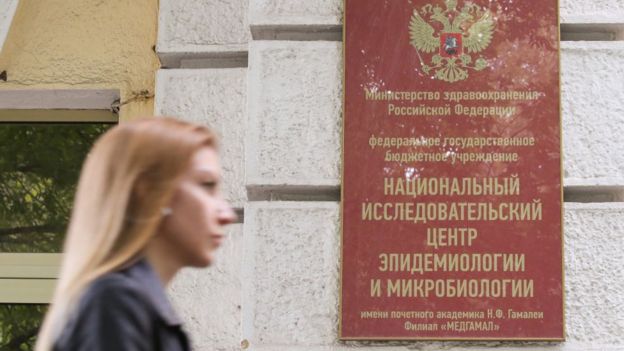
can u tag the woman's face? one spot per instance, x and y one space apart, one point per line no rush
195 227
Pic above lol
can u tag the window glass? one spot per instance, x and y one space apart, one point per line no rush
39 168
19 325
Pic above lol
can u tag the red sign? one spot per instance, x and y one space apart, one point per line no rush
451 189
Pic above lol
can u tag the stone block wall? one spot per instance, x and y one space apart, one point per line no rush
267 76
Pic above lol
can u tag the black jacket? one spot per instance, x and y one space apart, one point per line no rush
124 311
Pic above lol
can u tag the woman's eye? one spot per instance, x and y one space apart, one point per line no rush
209 185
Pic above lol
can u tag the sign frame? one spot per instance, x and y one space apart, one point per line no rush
342 219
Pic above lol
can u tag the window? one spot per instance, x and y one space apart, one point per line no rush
41 154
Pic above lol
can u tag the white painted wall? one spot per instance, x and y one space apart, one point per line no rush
276 287
216 97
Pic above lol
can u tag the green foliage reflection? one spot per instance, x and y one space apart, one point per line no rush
39 168
19 325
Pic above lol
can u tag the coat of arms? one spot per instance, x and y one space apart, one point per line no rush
459 34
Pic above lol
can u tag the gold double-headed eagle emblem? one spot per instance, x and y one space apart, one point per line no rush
459 34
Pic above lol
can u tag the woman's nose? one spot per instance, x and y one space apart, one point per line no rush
226 214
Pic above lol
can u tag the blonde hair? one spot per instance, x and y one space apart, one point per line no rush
126 181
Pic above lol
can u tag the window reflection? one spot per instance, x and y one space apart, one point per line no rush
39 167
19 325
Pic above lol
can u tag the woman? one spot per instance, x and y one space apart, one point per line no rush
147 204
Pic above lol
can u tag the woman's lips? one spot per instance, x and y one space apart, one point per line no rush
217 239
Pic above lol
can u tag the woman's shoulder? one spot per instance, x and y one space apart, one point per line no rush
113 287
113 307
115 296
136 289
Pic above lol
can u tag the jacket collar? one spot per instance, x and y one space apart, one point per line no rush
143 274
